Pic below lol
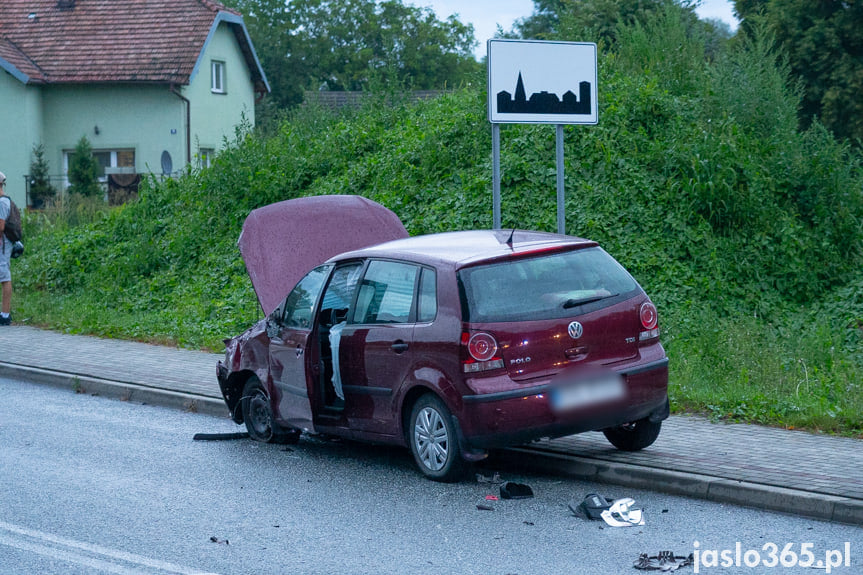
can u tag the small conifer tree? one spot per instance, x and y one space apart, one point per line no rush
41 190
84 170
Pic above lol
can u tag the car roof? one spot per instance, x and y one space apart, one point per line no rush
465 248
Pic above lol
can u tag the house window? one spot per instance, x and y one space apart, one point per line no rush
107 160
218 77
206 157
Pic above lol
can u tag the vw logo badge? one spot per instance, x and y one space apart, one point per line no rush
575 330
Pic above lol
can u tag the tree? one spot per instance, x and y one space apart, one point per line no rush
41 190
268 22
824 43
84 170
350 44
543 22
600 18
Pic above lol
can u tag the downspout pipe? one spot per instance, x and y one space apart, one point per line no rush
188 122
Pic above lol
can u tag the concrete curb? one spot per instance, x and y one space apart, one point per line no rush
710 488
124 391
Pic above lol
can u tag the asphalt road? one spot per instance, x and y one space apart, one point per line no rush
91 485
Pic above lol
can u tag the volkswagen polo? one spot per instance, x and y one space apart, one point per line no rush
449 344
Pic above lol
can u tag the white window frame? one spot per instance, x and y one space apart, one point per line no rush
217 77
206 157
67 155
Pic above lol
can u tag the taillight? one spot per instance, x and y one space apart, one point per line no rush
649 318
648 315
482 346
481 351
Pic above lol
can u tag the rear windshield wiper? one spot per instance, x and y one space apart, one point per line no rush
572 302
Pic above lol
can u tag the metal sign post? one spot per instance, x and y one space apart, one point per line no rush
554 71
561 211
495 153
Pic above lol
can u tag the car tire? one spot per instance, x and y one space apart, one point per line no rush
258 416
433 440
633 436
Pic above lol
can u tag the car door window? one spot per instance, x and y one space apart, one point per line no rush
340 293
386 293
427 303
300 303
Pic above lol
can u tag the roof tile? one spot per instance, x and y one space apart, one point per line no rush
105 40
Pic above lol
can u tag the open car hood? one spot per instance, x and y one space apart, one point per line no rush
282 242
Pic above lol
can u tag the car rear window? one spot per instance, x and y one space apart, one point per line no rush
544 287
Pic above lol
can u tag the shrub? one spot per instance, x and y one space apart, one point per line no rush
84 170
41 190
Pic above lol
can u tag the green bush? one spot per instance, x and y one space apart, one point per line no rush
84 170
41 191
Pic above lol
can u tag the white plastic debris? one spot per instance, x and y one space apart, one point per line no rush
621 514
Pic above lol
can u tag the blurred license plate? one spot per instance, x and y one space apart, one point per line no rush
593 391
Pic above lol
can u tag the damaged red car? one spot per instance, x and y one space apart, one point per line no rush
449 344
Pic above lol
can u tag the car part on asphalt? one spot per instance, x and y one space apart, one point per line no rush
621 514
480 478
510 490
591 507
663 561
215 539
220 436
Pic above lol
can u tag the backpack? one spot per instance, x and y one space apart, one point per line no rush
13 222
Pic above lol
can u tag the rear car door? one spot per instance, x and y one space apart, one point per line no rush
290 361
377 352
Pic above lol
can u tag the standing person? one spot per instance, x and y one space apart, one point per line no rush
5 255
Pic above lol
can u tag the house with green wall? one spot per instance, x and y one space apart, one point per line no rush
154 85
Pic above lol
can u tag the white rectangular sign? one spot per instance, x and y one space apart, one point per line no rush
537 82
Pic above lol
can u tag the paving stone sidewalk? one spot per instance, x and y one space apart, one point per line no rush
794 471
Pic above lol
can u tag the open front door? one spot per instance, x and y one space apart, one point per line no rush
291 364
288 365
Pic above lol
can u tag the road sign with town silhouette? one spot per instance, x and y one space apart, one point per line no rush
532 82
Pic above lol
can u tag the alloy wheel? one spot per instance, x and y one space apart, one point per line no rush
431 439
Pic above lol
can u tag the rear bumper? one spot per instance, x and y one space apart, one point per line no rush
523 415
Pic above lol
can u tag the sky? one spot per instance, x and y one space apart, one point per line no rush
485 15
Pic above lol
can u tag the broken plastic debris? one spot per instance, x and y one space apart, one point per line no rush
663 561
219 436
491 498
510 490
480 478
482 507
591 508
215 539
621 514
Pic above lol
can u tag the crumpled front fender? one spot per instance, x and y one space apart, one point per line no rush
245 356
